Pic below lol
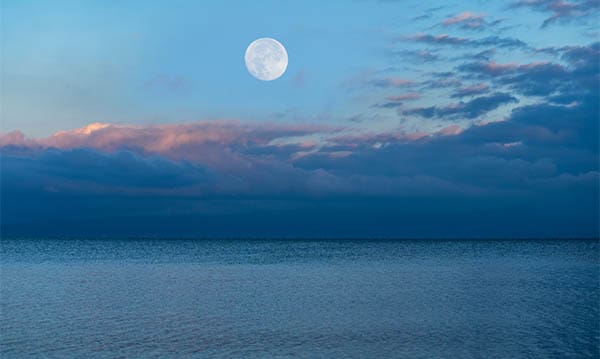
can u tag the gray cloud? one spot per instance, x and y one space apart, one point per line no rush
444 39
470 109
561 10
471 90
542 79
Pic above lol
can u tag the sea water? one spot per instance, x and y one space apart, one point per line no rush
154 298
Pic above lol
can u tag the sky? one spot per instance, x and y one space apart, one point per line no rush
398 118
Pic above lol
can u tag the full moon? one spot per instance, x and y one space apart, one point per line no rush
266 59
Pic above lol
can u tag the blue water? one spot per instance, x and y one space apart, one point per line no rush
290 298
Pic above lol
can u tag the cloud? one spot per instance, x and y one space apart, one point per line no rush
500 42
16 138
86 170
534 79
583 59
544 78
391 82
471 109
445 39
249 175
417 56
405 97
442 39
464 17
208 141
483 55
421 17
561 10
442 80
469 21
471 90
398 100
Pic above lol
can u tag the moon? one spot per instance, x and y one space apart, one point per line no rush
266 59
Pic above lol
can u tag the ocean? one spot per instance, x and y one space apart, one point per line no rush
182 298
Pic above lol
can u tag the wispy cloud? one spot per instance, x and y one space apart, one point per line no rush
445 39
562 10
469 21
470 109
467 18
471 90
534 79
416 56
398 100
391 82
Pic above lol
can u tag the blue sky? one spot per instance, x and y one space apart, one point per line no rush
67 64
451 102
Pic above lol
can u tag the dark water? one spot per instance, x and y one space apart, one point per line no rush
362 298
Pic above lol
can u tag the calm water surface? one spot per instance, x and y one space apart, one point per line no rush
289 298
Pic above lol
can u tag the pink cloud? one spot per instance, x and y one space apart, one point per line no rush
211 142
451 130
464 17
495 68
16 138
219 144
